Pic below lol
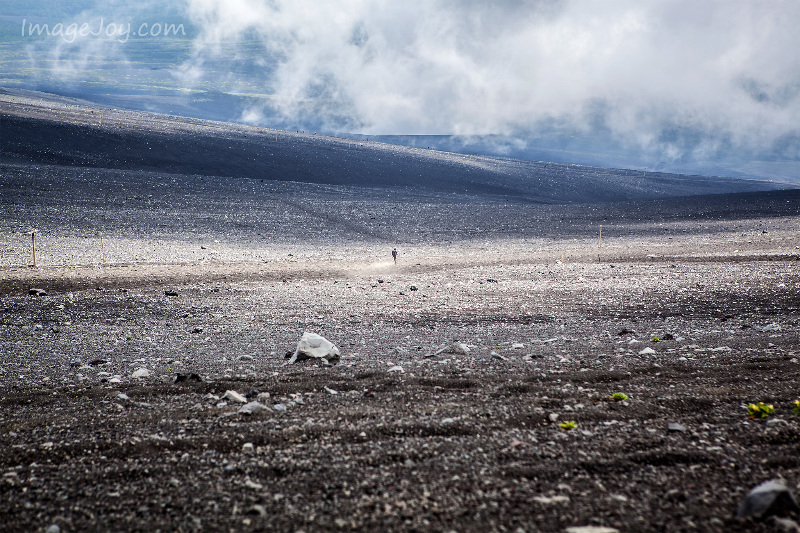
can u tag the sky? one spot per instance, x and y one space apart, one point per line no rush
678 80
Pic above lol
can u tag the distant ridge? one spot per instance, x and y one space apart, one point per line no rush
37 128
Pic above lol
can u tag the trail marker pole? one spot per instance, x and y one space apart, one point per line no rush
102 248
33 242
600 243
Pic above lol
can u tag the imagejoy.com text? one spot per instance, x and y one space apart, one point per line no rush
122 32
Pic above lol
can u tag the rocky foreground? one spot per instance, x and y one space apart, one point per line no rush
474 389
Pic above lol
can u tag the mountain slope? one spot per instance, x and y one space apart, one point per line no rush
46 129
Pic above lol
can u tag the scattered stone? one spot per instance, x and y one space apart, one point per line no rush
786 525
626 331
517 346
98 362
777 422
771 327
647 351
252 408
499 357
262 397
245 358
257 509
397 368
253 485
76 363
413 288
313 346
329 390
170 293
122 396
179 378
553 417
674 427
769 498
37 292
248 447
53 529
141 373
548 500
279 407
491 280
591 529
198 329
234 396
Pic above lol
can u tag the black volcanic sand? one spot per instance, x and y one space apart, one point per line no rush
389 439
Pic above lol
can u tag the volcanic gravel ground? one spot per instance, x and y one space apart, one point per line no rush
389 439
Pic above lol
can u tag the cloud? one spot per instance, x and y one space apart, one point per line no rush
675 77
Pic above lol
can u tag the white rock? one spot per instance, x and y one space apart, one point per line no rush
234 396
248 447
313 346
771 327
141 373
647 351
396 368
122 396
329 390
517 346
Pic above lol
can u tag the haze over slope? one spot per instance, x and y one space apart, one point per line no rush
46 129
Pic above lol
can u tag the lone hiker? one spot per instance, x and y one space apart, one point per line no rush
394 255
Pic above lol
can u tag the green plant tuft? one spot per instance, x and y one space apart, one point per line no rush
570 424
759 410
619 396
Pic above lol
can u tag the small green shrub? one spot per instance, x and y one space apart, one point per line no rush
759 410
570 424
796 407
619 396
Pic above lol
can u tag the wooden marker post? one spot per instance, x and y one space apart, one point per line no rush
33 243
102 248
600 243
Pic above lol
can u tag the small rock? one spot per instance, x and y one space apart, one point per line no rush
53 529
591 529
279 407
517 346
170 293
37 292
253 485
245 358
252 408
771 327
248 447
198 329
262 397
234 396
768 498
786 525
553 417
647 351
98 362
179 378
547 500
122 396
76 363
256 509
141 373
396 368
413 288
674 427
777 422
329 390
499 357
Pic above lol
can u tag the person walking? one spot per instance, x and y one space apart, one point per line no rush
394 255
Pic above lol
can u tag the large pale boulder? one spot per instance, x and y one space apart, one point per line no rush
313 346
